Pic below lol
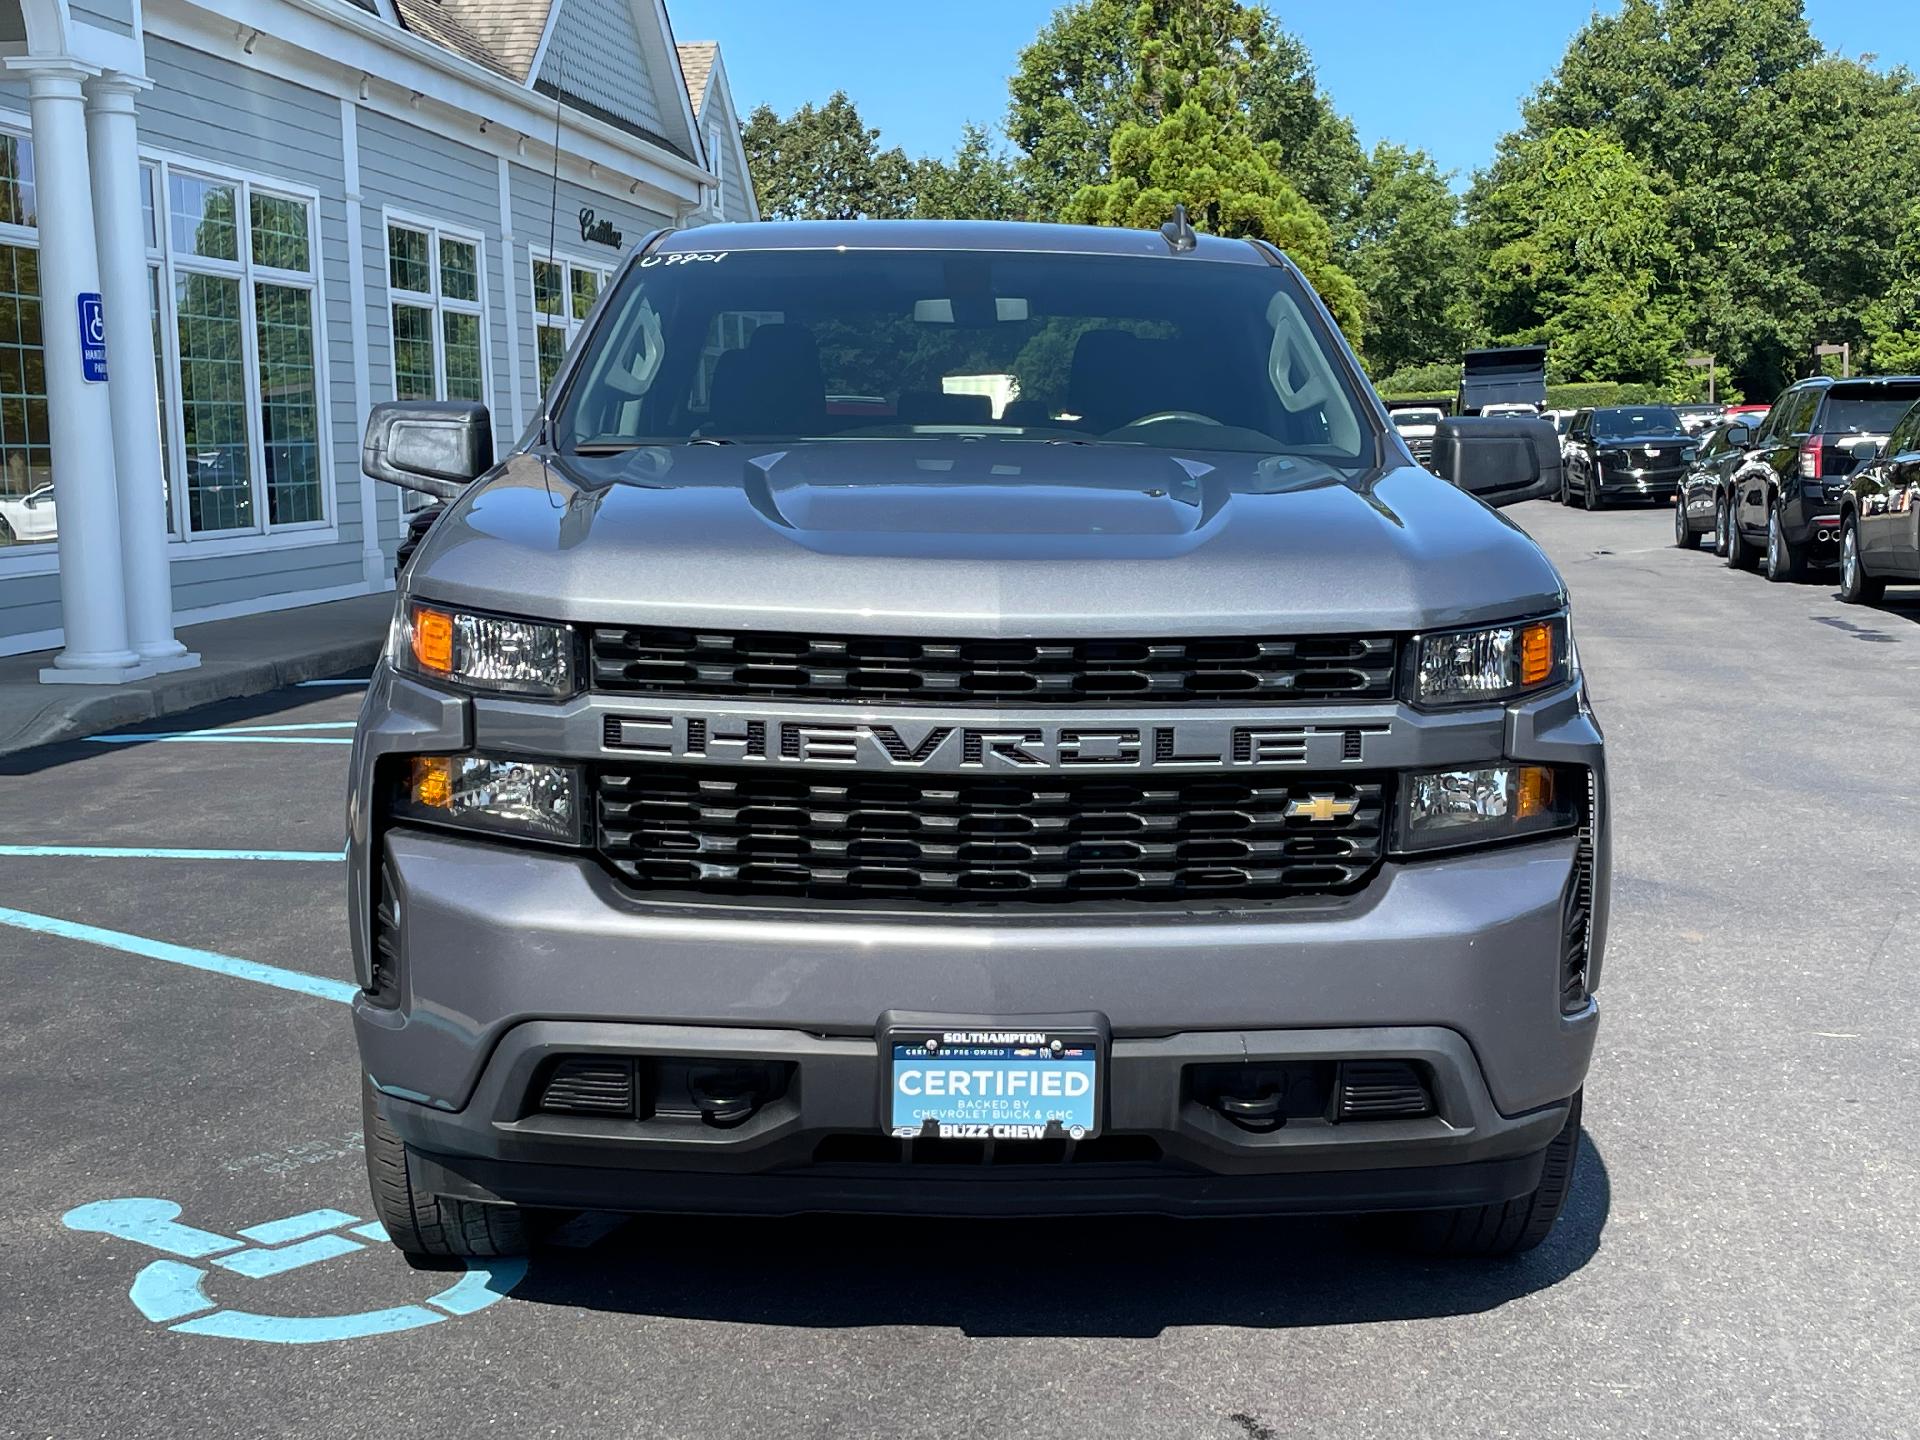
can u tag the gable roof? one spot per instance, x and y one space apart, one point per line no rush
696 63
503 35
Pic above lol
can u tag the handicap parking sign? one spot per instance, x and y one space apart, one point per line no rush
93 337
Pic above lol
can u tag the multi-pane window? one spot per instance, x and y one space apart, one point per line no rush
233 305
27 513
433 286
238 321
564 292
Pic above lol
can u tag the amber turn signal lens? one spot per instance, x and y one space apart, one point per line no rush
1536 654
432 638
433 782
1536 792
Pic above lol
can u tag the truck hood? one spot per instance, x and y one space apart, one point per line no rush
979 538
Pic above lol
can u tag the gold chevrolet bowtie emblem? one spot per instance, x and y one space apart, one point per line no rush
1321 807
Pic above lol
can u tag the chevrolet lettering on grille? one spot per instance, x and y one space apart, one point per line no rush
940 747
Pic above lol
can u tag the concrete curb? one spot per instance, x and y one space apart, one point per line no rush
70 715
246 655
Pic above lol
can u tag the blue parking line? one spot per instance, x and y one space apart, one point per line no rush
211 738
317 986
136 852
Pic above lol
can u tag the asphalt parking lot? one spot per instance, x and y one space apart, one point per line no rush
1738 1256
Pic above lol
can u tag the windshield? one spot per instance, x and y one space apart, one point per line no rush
782 345
1848 416
1644 420
1403 418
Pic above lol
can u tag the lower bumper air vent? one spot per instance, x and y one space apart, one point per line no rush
1577 914
383 979
1381 1090
589 1085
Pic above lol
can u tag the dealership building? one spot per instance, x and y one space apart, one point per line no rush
229 228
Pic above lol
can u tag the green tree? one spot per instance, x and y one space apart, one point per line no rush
1229 185
823 163
1892 323
1408 254
1789 170
1079 82
979 183
1191 145
1578 255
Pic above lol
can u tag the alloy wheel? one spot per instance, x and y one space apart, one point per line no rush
1849 563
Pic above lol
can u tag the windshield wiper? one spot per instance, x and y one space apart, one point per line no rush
621 447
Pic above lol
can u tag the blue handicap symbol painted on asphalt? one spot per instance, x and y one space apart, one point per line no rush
170 1292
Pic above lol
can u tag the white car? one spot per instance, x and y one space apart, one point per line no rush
29 518
1417 425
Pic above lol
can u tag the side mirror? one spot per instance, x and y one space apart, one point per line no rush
1739 435
1864 450
437 447
1502 459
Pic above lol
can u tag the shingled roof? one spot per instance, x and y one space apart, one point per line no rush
502 35
696 63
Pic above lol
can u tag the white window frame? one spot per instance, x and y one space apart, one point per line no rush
435 300
439 305
263 533
31 557
719 158
569 261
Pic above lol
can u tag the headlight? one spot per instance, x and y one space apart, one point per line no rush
1496 802
1464 667
484 652
502 797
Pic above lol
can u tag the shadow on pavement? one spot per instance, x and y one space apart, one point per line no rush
251 710
1124 1277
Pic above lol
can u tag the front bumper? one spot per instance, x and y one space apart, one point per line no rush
1620 485
511 955
816 1146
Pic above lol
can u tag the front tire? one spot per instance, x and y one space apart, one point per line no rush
425 1226
1857 587
1511 1227
1740 554
1784 561
1683 535
1589 493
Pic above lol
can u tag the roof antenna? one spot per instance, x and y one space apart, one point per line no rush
1178 232
553 221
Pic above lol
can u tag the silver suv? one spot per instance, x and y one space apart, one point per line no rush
972 719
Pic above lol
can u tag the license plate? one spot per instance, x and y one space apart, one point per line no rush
993 1084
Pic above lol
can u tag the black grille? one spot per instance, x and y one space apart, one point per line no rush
1228 670
1382 1090
589 1085
978 838
1577 913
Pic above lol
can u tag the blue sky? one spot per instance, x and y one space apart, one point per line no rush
919 70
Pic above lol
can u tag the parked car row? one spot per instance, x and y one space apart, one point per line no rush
1829 478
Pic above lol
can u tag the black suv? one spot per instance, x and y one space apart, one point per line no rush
1625 452
1783 501
1701 508
1880 517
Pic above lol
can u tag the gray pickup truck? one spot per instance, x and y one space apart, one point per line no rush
972 719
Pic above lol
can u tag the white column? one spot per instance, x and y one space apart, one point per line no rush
120 234
93 609
374 568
